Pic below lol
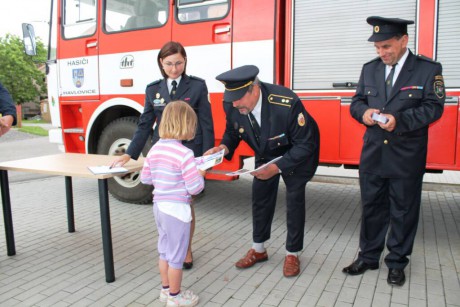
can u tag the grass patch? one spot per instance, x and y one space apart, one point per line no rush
34 121
34 130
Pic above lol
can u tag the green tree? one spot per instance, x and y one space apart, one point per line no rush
19 72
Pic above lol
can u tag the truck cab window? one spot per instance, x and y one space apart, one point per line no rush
79 18
126 15
201 10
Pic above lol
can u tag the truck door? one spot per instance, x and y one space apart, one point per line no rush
132 34
204 27
78 50
52 75
220 35
257 37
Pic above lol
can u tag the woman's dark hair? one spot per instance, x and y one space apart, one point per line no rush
168 49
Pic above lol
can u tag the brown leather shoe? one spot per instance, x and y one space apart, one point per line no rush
251 258
291 266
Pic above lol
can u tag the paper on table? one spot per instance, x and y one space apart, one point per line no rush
205 162
105 169
245 171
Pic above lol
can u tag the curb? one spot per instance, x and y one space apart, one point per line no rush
427 186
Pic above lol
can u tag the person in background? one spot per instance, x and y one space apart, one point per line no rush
398 96
272 120
170 167
176 85
7 111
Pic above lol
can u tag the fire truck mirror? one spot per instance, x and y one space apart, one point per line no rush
28 34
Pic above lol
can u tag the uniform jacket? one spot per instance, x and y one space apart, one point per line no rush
416 100
6 104
192 90
286 130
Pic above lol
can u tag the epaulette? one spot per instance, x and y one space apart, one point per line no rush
280 100
196 78
422 57
373 60
154 82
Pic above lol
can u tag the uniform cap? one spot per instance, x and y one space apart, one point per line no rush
386 28
237 81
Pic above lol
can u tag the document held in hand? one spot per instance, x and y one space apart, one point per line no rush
245 171
205 162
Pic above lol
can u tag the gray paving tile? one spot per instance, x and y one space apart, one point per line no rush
55 268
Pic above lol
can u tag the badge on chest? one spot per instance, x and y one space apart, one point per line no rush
158 101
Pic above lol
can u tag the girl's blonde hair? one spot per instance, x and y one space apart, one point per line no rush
178 121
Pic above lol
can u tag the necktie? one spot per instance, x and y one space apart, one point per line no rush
173 90
255 126
389 81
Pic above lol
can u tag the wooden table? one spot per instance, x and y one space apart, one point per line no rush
68 165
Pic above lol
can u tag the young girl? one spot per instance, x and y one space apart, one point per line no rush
172 62
170 167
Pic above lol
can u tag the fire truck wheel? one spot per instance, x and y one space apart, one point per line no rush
114 140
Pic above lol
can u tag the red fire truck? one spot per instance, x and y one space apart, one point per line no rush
102 54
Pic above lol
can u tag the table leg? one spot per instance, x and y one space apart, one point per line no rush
106 230
69 199
7 216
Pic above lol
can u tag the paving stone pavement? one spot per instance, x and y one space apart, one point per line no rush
55 268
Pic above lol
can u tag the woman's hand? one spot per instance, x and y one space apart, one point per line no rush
120 160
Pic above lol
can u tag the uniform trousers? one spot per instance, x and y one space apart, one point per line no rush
389 204
264 194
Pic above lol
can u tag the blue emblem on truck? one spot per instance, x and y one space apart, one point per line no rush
78 76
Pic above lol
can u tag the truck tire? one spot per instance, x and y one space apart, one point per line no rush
114 140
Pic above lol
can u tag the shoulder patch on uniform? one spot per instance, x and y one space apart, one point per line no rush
301 120
280 100
438 86
425 58
196 78
154 82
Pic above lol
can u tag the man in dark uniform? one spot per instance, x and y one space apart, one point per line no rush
7 111
273 122
398 96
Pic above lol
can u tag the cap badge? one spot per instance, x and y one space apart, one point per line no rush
376 29
301 120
